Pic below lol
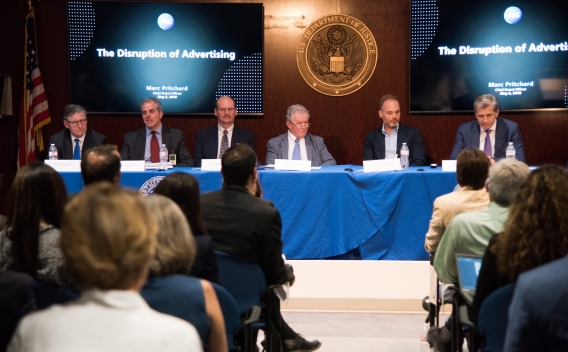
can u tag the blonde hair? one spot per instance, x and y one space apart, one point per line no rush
176 247
108 237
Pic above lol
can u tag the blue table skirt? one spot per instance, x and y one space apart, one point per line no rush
330 212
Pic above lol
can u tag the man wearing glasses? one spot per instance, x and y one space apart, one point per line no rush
76 138
212 142
297 143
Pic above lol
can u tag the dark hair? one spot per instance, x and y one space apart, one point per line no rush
536 231
484 101
73 109
472 168
237 165
384 98
183 189
37 193
104 168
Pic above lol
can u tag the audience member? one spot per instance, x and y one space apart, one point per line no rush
16 300
469 233
472 171
489 133
108 239
30 241
536 233
76 138
101 164
212 142
145 143
183 189
385 142
249 227
169 290
305 145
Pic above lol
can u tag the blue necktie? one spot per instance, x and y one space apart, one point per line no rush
77 150
487 147
296 152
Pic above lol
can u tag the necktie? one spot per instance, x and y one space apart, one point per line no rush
154 148
77 150
224 144
487 148
296 152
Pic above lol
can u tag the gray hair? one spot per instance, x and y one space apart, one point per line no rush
158 103
505 180
485 100
295 109
73 109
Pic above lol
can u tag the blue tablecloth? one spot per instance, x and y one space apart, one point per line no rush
330 211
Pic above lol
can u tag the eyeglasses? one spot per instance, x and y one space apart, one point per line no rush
226 109
301 124
78 122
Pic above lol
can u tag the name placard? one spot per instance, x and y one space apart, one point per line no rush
292 165
211 164
132 165
64 165
449 165
381 165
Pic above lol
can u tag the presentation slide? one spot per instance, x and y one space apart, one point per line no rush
184 54
517 51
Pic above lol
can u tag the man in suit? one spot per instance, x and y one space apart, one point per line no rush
145 143
489 133
305 146
249 227
385 142
76 138
211 142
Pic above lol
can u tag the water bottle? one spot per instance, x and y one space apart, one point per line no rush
163 157
510 151
424 345
52 152
404 153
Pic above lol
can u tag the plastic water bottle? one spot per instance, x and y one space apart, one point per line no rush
510 151
424 345
404 153
163 157
52 152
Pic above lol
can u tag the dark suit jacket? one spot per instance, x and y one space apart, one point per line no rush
207 142
65 147
248 227
16 300
505 132
277 148
375 144
135 145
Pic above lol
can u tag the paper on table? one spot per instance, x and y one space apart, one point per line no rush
157 166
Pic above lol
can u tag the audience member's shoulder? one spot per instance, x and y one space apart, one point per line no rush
12 282
547 273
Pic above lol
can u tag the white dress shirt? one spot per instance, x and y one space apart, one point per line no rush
292 143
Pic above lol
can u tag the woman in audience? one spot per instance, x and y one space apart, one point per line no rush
108 239
535 233
30 241
183 189
169 290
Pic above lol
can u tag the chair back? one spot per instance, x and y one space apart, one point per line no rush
493 318
230 315
47 294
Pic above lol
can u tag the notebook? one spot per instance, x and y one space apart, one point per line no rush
468 271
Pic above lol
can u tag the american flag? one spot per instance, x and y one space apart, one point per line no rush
34 111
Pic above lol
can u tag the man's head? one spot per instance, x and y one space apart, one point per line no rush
505 179
389 111
486 109
472 168
238 165
297 120
225 110
75 119
101 163
152 113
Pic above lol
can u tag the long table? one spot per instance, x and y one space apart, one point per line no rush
334 212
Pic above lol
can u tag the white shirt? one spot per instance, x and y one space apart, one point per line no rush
109 321
292 143
483 135
390 142
220 139
81 141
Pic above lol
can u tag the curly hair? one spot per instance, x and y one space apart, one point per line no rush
536 231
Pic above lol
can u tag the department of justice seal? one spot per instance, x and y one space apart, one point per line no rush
150 185
337 55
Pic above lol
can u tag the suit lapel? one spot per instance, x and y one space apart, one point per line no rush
500 137
475 135
309 147
67 146
400 135
166 137
88 142
235 138
213 141
381 145
284 147
139 145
